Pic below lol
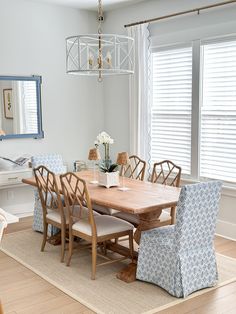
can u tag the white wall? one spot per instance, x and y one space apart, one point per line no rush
32 37
116 94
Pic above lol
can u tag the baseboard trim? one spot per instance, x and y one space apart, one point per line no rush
226 230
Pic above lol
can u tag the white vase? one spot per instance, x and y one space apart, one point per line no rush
109 179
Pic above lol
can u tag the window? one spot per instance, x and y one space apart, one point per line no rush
218 111
171 106
204 111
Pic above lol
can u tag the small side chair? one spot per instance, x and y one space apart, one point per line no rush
181 258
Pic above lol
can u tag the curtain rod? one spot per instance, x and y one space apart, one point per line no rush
181 13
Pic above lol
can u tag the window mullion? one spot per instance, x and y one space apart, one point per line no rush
195 130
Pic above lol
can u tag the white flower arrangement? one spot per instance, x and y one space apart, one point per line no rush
103 138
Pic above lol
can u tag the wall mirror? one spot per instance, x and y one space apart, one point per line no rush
20 107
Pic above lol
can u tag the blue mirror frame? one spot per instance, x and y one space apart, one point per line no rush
38 80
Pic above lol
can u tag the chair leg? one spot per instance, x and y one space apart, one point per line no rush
131 245
45 234
63 243
1 309
71 244
94 259
172 215
105 247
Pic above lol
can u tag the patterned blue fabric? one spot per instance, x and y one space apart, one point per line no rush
181 258
54 163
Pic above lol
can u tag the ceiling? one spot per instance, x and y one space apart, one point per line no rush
91 4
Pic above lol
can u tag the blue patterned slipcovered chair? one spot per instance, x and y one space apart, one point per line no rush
54 163
181 258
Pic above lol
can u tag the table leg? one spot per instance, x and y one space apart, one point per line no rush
147 221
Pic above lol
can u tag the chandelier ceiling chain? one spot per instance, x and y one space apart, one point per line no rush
100 16
99 54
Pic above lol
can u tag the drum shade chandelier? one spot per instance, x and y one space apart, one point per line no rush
99 54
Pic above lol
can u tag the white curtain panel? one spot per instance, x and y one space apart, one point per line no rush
140 93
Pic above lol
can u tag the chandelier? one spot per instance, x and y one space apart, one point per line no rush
99 54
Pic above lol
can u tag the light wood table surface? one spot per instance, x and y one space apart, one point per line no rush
145 199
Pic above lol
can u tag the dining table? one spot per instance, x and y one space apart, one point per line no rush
142 198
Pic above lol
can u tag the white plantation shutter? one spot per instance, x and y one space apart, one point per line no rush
171 106
29 104
218 111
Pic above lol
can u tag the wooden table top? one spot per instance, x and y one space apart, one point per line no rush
142 196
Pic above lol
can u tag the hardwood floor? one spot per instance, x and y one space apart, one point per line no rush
23 292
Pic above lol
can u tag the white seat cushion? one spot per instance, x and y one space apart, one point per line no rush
134 219
105 225
105 210
55 215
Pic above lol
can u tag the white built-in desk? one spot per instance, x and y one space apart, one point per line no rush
15 197
13 178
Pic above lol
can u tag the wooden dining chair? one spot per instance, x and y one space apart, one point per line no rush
167 173
87 225
135 168
164 172
53 211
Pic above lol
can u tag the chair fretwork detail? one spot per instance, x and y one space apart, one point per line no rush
135 169
76 199
166 172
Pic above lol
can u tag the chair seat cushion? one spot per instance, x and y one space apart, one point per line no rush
104 210
56 216
134 219
105 225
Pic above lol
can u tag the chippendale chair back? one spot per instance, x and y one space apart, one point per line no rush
48 190
135 169
52 205
166 172
77 200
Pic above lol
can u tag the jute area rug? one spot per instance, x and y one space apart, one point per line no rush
106 294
